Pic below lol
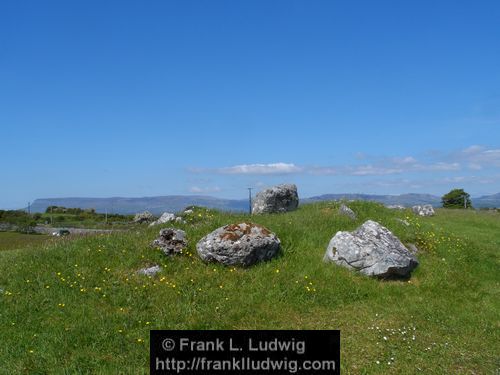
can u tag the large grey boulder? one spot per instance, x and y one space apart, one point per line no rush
346 211
143 217
166 217
239 245
425 210
372 250
280 198
171 241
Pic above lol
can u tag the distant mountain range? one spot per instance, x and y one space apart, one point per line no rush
175 203
487 201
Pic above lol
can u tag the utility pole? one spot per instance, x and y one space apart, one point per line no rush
465 201
249 200
29 208
106 216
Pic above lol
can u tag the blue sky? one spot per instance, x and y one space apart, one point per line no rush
129 98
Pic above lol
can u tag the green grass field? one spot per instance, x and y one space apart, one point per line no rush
96 221
14 240
77 306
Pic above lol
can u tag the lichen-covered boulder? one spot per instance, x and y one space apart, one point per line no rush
425 210
143 217
171 241
372 250
280 198
241 244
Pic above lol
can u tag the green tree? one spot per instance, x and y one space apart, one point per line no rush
456 198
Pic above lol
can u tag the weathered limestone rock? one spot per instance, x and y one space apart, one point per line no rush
372 250
239 244
166 217
143 217
344 210
171 241
425 210
149 271
280 198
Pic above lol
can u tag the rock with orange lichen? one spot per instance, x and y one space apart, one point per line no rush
241 244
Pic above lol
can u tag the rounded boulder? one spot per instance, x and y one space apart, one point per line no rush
425 210
278 199
241 244
372 250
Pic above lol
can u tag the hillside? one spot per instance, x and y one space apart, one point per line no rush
78 305
406 200
487 201
175 203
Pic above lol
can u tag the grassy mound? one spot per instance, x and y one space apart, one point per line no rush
77 306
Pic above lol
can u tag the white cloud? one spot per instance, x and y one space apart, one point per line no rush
475 180
198 190
439 166
323 171
431 183
487 158
478 157
386 167
474 157
397 166
262 169
404 160
475 166
360 155
474 149
370 170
